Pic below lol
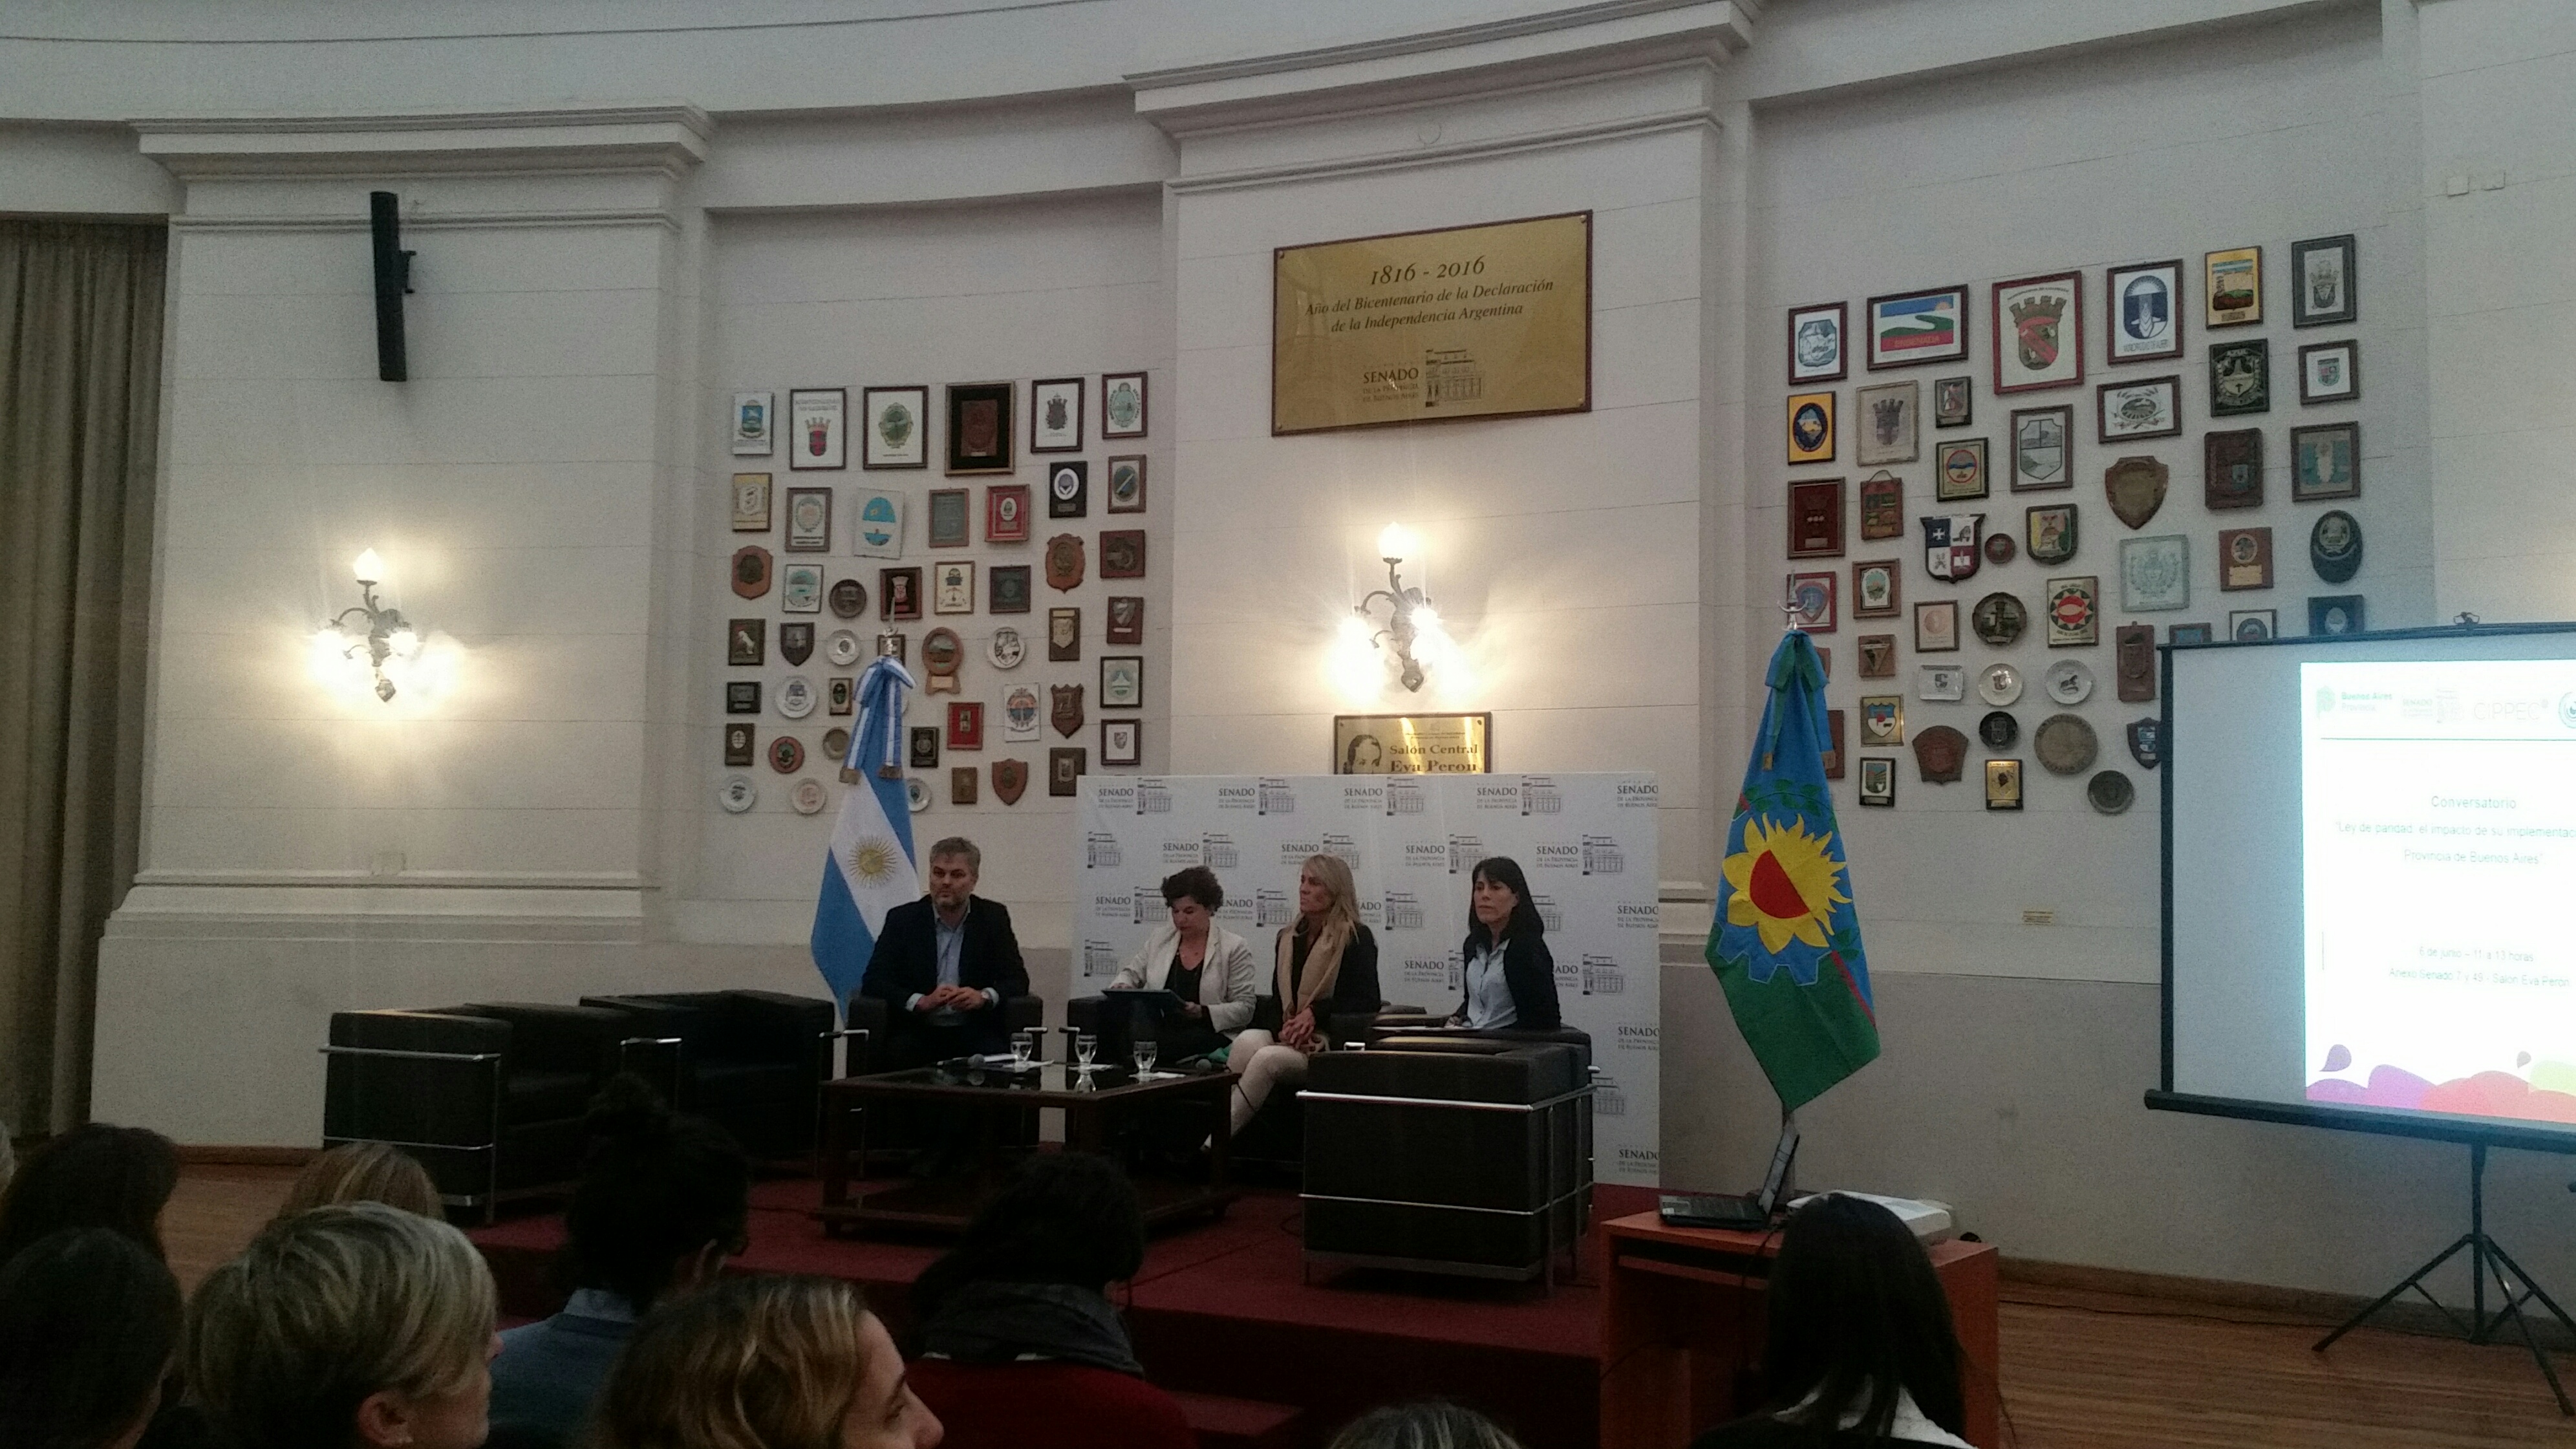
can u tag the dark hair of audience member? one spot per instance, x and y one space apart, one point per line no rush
1063 1217
1426 1424
364 1172
1857 1314
94 1176
657 1187
88 1322
761 1362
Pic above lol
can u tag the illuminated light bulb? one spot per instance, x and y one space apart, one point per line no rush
1354 631
405 643
1397 542
369 568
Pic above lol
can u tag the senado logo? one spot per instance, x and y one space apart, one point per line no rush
1390 374
1638 1038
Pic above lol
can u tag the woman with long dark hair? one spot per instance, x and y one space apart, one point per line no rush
1861 1350
1020 1344
94 1176
89 1321
1511 978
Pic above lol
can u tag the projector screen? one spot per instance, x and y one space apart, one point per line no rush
2371 879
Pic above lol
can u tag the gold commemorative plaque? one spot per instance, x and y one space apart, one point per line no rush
1464 322
1413 744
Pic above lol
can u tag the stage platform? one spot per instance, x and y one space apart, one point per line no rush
1220 1308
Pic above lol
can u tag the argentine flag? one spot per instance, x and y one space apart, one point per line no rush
870 870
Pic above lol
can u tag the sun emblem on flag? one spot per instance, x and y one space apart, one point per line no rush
1785 885
871 861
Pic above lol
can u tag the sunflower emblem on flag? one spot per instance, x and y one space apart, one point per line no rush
1782 888
872 859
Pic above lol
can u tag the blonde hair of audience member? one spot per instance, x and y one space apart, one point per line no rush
762 1363
1426 1424
361 1324
355 1172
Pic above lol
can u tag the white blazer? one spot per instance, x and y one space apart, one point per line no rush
1228 979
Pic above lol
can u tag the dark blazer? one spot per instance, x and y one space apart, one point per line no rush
1354 987
1530 972
906 962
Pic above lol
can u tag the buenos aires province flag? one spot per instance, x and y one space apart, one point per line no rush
1786 941
870 868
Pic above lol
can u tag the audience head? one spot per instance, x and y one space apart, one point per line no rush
762 1363
1193 895
1499 905
1064 1217
95 1176
663 1199
1429 1424
364 1172
955 866
88 1320
360 1325
1325 891
1857 1314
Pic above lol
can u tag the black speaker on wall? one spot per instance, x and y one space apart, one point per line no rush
393 279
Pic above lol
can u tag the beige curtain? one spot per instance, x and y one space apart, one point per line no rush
80 392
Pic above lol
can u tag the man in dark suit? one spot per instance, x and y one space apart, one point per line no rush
944 965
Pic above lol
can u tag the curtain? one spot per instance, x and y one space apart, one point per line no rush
80 393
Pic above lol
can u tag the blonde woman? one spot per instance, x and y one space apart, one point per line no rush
362 1326
762 1363
356 1172
1326 966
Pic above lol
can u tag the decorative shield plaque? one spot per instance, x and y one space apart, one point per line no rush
2137 489
1010 777
1064 561
2051 533
2334 546
1940 753
2135 646
1950 545
941 654
751 571
2147 742
795 642
1066 715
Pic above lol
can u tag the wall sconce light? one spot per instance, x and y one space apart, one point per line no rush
385 634
1410 617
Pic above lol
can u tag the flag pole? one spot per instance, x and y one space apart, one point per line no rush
1789 603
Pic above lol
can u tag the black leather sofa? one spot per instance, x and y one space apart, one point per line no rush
753 1062
1451 1154
489 1097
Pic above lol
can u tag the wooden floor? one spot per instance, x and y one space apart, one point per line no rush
2082 1370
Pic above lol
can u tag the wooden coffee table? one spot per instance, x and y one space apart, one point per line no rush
1090 1102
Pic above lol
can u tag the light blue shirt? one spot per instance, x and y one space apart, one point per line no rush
949 942
1489 996
550 1372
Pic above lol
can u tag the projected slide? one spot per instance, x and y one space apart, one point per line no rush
2439 832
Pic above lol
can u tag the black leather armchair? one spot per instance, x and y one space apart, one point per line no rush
753 1062
1448 1154
491 1098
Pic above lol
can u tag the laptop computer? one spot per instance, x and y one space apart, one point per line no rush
1726 1210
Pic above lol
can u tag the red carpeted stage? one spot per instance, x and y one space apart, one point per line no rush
1220 1309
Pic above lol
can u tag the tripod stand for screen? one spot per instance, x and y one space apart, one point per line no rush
2487 1259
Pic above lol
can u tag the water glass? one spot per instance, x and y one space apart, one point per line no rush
1024 1047
1146 1050
1085 1047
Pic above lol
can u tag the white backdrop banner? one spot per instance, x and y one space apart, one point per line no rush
1587 843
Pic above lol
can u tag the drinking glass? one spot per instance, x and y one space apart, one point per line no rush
1024 1046
1146 1050
1085 1047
